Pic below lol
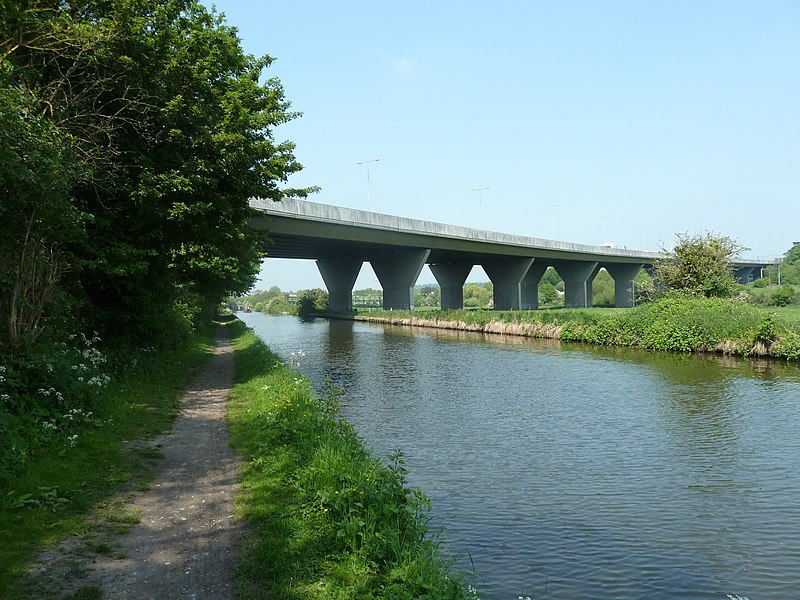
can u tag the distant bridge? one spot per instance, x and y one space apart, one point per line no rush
342 239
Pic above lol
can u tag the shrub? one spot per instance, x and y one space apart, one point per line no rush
784 295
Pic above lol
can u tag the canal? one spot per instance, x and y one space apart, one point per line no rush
571 472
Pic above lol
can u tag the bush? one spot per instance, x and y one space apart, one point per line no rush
45 395
784 295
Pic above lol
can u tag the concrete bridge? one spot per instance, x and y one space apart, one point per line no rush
342 239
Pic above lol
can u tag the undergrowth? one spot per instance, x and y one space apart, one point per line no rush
330 520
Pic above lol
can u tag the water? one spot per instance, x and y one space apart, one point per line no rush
567 472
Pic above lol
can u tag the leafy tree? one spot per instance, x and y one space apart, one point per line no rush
171 124
310 301
428 295
552 277
548 296
700 264
477 295
790 266
37 170
603 289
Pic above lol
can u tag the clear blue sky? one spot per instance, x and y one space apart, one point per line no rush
596 121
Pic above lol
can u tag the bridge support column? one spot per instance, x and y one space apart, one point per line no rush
398 273
623 283
530 286
506 275
742 274
339 275
451 278
577 282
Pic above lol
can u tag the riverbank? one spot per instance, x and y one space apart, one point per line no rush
327 519
674 323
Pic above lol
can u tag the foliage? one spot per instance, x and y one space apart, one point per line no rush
478 295
548 295
332 521
785 295
37 168
133 135
790 266
427 296
699 264
552 277
311 301
603 289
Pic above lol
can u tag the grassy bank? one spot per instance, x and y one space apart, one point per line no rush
76 483
674 323
328 519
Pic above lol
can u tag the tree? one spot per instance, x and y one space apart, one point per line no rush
310 301
548 296
700 264
37 170
428 295
171 123
790 265
603 289
477 295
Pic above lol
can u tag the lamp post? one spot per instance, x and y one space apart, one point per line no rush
366 162
480 206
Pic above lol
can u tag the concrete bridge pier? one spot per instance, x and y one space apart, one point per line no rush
742 274
451 278
506 275
623 275
577 282
530 286
339 275
398 272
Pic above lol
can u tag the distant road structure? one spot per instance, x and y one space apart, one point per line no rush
342 239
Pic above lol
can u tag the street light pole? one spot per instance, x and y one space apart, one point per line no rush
480 206
366 162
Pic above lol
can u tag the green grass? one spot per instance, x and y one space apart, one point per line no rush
75 490
789 314
328 519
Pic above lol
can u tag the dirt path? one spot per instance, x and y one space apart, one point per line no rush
185 543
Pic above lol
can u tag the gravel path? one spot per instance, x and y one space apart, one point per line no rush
186 541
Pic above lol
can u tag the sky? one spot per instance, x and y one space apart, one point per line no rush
584 121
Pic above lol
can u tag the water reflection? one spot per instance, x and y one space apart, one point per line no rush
575 472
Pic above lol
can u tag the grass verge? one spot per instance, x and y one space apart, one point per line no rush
328 519
673 323
77 485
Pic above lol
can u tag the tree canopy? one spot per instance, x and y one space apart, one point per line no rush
700 264
132 134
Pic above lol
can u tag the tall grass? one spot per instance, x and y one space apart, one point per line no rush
329 519
676 322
